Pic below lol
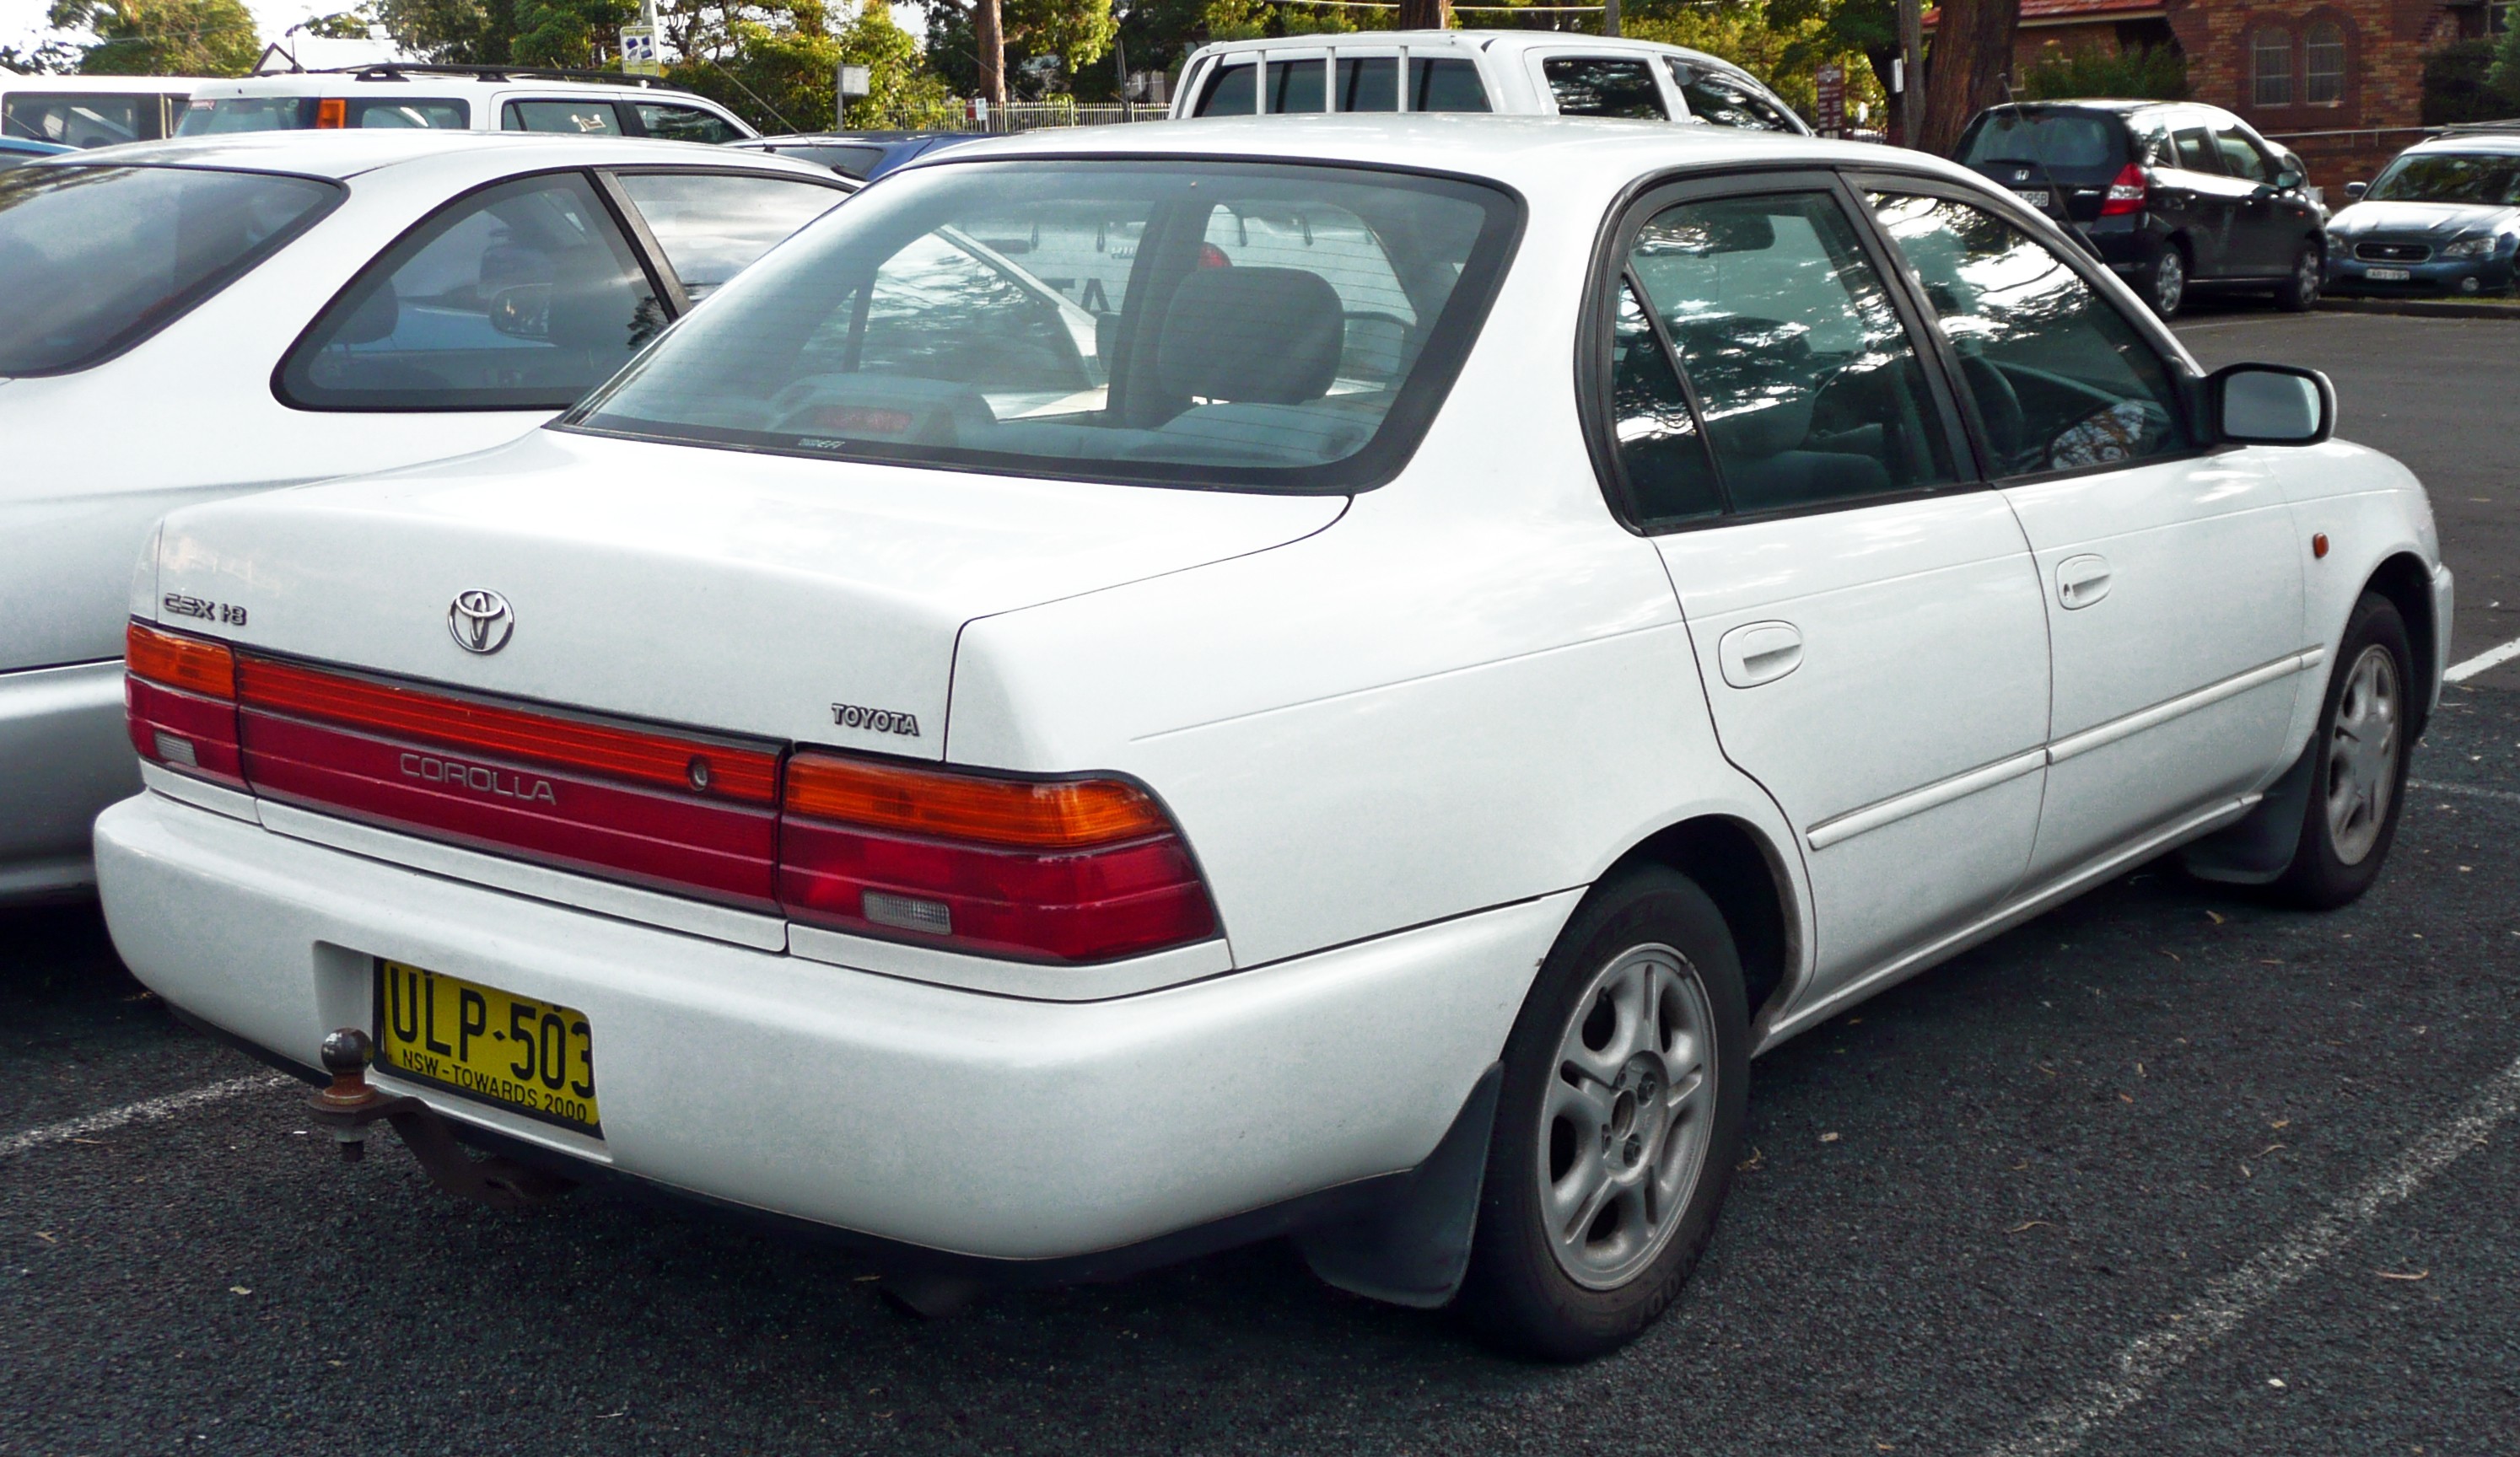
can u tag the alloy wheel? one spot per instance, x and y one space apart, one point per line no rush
2362 754
1628 1117
2169 283
2310 272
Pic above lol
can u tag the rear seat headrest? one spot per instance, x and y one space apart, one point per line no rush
1255 336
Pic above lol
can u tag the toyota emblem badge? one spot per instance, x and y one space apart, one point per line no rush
480 621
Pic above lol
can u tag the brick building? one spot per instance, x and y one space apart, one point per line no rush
2339 81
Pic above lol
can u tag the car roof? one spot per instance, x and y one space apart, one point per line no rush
11 80
1500 42
2485 142
846 139
342 155
419 83
1533 152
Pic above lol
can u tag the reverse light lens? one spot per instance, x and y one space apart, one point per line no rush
1074 870
2126 191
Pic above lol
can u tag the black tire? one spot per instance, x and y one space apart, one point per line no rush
2299 292
2333 865
2163 281
1517 1295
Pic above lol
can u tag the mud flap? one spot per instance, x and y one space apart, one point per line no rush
1412 1248
2258 849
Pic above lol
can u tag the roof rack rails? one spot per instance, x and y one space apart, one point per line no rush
395 70
2506 124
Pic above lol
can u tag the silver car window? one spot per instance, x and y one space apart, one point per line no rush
711 226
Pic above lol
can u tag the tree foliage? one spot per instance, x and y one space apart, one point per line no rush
778 66
163 38
2141 74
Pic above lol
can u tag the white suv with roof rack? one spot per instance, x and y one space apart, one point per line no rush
1531 72
459 98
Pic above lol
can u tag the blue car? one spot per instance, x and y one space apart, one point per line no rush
16 150
864 156
2443 217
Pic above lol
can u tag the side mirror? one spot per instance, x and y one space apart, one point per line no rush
523 312
2263 404
2286 180
2353 190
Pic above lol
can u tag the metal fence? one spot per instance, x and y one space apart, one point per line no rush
970 114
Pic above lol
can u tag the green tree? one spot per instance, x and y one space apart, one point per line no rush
778 66
163 38
469 32
2146 72
2503 77
568 32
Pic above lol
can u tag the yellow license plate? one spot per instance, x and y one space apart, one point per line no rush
535 1057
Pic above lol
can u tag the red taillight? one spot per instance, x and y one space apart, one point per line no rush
1065 870
2126 192
179 699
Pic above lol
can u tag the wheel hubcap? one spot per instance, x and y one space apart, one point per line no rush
2309 270
2363 756
1626 1121
2170 281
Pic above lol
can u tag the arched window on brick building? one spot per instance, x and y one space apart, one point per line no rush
2323 64
2270 67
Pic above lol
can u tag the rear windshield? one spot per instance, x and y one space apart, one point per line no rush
269 113
94 259
2483 179
1253 326
2048 139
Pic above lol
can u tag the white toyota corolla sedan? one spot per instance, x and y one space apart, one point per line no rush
188 320
1497 622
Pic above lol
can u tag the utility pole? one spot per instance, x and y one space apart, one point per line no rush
1609 17
1425 15
1911 71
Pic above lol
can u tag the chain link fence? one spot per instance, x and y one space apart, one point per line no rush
970 114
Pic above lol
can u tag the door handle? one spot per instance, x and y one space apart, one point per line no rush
1759 652
2082 580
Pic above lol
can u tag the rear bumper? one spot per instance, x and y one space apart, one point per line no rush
63 758
954 1121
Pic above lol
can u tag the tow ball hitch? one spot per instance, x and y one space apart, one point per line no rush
349 1105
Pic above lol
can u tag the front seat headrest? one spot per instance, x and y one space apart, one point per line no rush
1255 336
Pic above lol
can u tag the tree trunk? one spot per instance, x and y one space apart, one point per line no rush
989 45
1971 55
1425 15
1883 60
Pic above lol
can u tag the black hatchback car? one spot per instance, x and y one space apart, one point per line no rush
2172 196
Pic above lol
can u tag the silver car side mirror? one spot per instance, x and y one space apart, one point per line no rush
2353 190
2259 404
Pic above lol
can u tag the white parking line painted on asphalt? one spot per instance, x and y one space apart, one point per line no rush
2145 1362
141 1112
2492 657
2436 786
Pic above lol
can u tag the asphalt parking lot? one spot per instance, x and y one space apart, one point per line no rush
2165 1170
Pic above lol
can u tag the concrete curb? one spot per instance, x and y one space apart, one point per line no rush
2444 308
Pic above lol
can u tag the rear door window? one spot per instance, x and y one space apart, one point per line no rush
1368 83
581 118
521 296
712 225
2195 149
1603 86
1810 390
95 260
1721 101
83 119
1297 85
681 123
431 113
1445 83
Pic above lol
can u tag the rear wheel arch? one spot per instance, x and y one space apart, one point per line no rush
2408 584
1745 874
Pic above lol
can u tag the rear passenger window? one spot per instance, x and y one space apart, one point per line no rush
2196 150
1296 85
414 115
1810 389
523 296
1231 92
685 124
83 119
1719 101
712 227
1447 84
1369 83
584 119
2063 381
1603 86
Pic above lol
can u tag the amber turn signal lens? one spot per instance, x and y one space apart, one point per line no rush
192 663
332 111
1062 815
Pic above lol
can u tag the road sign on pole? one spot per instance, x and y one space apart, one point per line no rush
1829 91
639 57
